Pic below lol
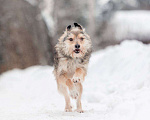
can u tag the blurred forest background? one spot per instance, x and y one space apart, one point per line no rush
29 29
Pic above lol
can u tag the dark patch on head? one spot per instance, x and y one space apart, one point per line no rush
76 33
77 25
68 28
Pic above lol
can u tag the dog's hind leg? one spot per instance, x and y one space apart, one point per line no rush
62 88
79 105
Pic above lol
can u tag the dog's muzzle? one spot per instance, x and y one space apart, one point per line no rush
77 51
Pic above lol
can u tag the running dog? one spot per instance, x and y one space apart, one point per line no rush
71 58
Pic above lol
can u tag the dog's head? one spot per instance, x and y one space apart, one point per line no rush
75 42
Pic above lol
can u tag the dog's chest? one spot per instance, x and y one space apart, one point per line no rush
72 65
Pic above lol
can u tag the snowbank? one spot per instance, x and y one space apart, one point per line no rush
117 88
131 25
122 81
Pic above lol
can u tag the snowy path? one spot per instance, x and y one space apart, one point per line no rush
117 88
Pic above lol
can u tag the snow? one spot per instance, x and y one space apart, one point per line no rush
117 87
131 24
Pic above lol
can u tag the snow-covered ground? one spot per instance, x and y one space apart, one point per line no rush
117 87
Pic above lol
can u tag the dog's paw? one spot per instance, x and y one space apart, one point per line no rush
76 79
74 94
68 109
80 111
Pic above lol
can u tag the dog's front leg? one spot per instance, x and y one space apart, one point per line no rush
76 93
79 75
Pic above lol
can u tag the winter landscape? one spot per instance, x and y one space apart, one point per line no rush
117 87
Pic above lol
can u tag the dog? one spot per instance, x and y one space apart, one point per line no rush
71 58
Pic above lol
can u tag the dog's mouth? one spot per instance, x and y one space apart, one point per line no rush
77 51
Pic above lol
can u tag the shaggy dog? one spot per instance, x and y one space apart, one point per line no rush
72 53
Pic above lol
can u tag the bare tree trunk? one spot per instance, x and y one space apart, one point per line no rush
24 39
91 23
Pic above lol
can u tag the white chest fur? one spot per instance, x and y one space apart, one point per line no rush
69 66
72 65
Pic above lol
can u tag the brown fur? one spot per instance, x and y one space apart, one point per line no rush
70 68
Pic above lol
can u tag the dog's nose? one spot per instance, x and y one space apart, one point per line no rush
77 46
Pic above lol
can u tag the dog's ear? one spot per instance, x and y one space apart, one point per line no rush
78 25
68 28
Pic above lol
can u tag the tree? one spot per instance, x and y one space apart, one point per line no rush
24 39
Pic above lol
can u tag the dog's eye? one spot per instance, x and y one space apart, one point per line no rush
70 39
82 38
